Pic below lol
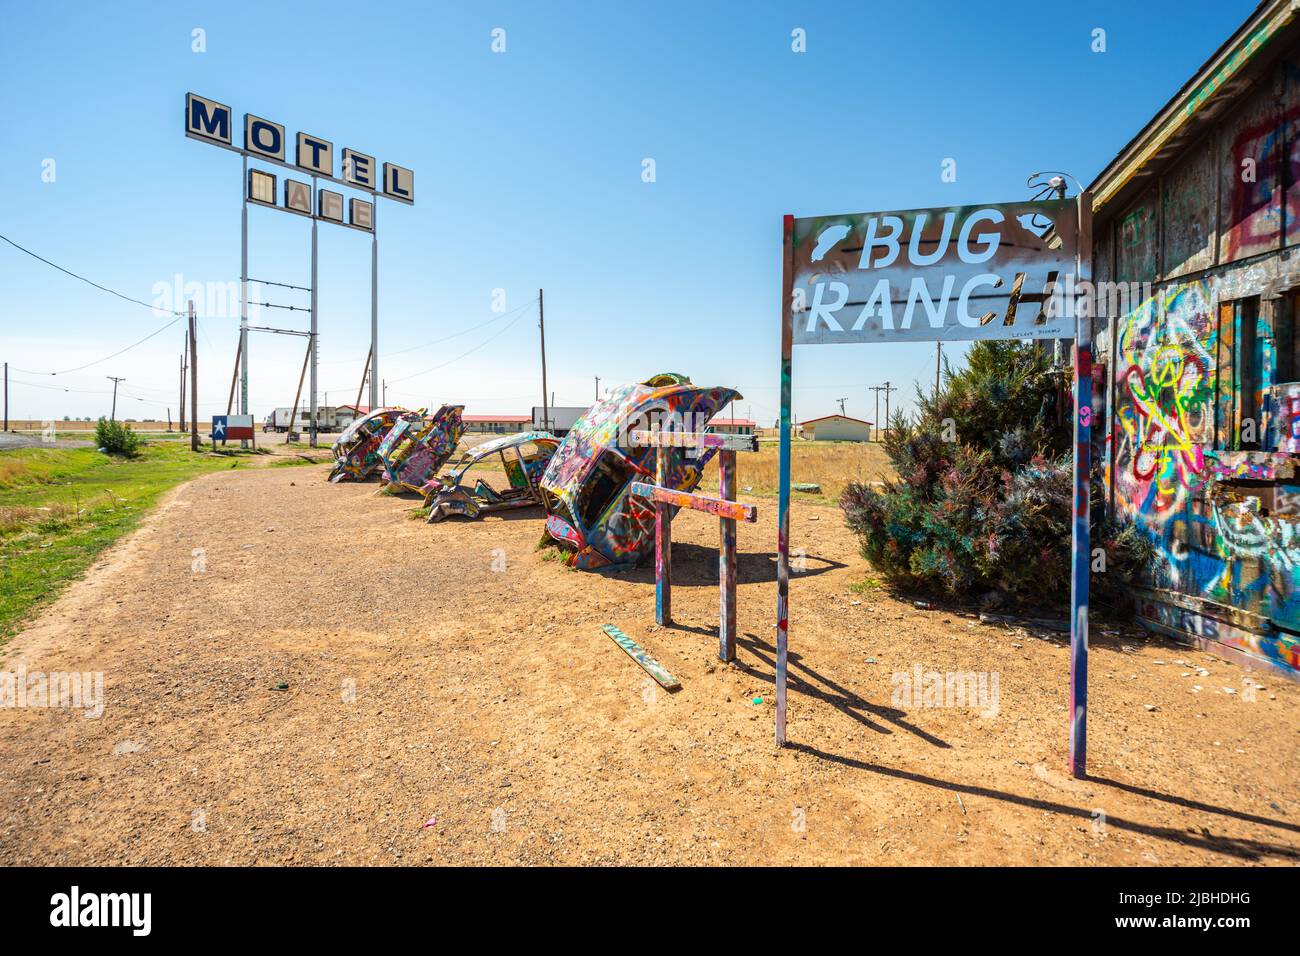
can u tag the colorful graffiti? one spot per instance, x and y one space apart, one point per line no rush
418 445
356 453
1224 521
1167 414
586 485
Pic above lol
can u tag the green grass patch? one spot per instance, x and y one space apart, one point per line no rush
60 507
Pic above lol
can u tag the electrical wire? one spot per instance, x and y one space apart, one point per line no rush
485 342
102 288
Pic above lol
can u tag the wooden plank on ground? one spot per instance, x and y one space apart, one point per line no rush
734 510
638 654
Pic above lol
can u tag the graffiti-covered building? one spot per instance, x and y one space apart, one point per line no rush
1196 256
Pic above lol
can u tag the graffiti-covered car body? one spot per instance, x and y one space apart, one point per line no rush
356 452
524 458
585 487
418 445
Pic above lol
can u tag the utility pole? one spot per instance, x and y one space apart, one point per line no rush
194 384
185 348
7 395
541 324
841 401
887 389
298 394
234 377
113 414
877 389
361 387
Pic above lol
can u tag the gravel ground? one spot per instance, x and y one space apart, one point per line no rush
448 697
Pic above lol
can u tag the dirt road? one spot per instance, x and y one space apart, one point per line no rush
449 673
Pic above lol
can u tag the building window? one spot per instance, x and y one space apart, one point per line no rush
1285 339
1242 376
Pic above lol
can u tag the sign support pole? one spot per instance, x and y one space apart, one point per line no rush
311 342
1081 555
374 306
194 383
783 482
727 559
663 543
243 293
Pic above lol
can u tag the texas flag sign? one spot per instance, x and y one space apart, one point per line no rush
238 427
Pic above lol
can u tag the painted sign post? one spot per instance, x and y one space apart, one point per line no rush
956 274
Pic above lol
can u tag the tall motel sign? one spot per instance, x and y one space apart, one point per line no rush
265 141
954 274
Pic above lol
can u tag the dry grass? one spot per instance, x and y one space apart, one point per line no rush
832 465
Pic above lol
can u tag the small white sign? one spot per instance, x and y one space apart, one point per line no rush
315 155
358 169
297 197
261 187
330 205
362 214
263 137
399 183
207 119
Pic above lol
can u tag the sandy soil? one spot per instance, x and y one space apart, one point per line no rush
486 698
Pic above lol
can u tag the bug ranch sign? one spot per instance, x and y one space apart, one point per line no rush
991 271
920 275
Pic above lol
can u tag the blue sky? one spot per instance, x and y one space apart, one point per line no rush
528 172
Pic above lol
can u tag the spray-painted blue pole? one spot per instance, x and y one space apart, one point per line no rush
783 481
1081 555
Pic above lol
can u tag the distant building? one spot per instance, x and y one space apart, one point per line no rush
836 428
733 426
559 418
496 424
347 414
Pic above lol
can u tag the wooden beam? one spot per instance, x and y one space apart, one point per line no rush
727 560
663 544
638 654
719 507
671 439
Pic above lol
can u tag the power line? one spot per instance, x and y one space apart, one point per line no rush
102 288
489 339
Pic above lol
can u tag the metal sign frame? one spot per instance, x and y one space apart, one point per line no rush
398 184
1081 544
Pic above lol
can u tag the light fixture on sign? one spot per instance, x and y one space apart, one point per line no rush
315 155
263 137
362 214
261 187
297 197
330 205
358 169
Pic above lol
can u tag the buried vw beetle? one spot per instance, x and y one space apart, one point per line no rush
585 488
356 453
524 458
417 446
